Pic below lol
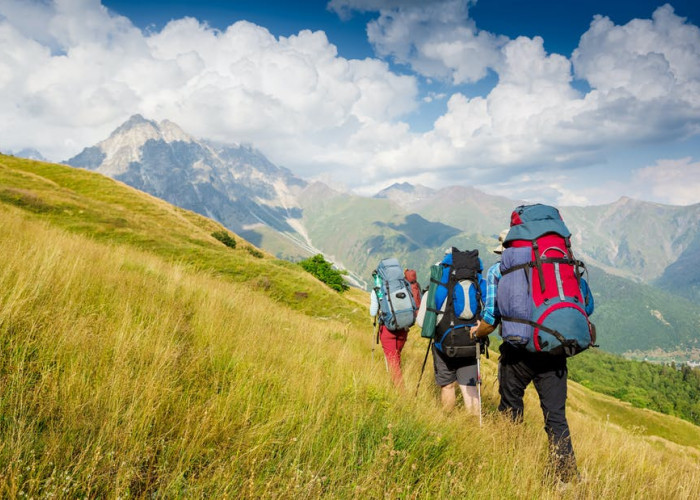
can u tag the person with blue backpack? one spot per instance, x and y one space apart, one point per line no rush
538 296
453 304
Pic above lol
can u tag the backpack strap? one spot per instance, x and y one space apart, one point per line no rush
391 304
567 345
547 260
448 317
534 324
538 264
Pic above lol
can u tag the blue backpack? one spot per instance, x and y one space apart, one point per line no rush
397 307
458 299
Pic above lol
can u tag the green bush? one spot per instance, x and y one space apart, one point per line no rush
255 252
224 238
323 270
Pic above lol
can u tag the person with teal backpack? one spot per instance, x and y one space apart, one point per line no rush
393 307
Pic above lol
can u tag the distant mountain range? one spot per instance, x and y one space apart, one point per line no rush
626 242
29 154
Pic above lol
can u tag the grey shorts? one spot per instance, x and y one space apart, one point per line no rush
447 370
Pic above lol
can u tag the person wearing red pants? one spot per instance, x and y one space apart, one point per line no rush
392 344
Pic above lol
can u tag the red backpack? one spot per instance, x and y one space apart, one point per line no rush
540 292
410 275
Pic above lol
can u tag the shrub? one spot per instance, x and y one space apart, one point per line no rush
224 238
254 252
324 271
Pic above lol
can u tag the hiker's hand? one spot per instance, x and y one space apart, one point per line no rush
474 329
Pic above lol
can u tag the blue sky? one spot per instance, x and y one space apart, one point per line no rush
572 103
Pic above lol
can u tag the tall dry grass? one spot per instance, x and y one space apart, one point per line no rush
122 375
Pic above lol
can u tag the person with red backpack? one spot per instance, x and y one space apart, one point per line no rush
538 296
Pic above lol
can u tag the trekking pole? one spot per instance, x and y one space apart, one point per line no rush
423 369
377 327
478 376
375 333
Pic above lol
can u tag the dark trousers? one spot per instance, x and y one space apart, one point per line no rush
516 369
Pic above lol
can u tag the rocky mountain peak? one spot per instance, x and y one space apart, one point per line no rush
124 145
235 185
135 121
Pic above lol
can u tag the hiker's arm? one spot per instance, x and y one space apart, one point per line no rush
482 329
490 315
421 312
373 303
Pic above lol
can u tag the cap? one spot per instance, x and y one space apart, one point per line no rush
501 238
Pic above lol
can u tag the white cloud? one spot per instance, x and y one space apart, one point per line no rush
292 97
534 120
71 71
437 39
675 182
646 58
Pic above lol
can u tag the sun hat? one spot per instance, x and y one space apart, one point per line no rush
501 238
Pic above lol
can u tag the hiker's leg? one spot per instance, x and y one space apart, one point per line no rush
470 394
448 396
446 379
392 345
551 386
513 377
467 377
400 342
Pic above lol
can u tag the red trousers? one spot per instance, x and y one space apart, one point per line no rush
392 343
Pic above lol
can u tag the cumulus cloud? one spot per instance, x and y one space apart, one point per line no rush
675 182
292 96
534 120
646 59
71 71
436 39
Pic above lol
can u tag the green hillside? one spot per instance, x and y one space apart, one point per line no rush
643 321
142 358
664 388
105 210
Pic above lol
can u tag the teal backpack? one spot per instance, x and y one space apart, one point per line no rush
397 307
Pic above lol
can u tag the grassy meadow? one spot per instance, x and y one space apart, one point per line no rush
140 357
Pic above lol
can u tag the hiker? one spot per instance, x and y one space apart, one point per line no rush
455 355
393 307
518 366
